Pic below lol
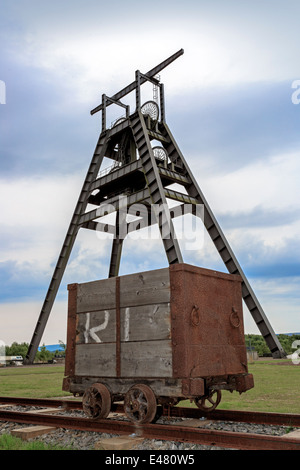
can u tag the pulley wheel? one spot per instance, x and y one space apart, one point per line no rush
140 404
96 401
118 121
150 108
160 153
209 402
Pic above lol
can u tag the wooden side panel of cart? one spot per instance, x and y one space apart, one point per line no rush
120 327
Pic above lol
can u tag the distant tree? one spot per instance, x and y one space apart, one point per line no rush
62 345
17 349
258 343
44 355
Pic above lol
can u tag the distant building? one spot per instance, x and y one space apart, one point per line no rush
52 347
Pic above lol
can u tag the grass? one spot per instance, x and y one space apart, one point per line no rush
276 386
32 382
9 442
276 389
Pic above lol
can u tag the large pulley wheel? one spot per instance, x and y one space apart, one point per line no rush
140 404
150 108
96 401
209 402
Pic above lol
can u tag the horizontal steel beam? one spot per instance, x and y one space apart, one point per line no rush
131 168
116 174
100 227
118 202
145 220
149 74
173 175
177 196
115 203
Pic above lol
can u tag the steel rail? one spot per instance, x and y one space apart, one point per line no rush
42 402
255 417
223 439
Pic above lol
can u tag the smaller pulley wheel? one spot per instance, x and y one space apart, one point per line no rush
118 121
209 402
96 401
160 153
140 404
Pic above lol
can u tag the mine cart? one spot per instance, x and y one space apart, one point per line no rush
155 338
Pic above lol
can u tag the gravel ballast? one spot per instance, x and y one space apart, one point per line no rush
83 440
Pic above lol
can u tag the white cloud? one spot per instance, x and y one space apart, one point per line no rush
271 183
18 321
88 57
36 213
280 301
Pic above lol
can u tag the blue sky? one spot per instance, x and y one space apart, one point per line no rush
229 106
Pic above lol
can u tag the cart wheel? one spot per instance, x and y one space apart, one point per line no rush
96 401
209 402
140 404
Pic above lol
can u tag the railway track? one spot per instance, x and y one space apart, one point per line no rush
172 432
